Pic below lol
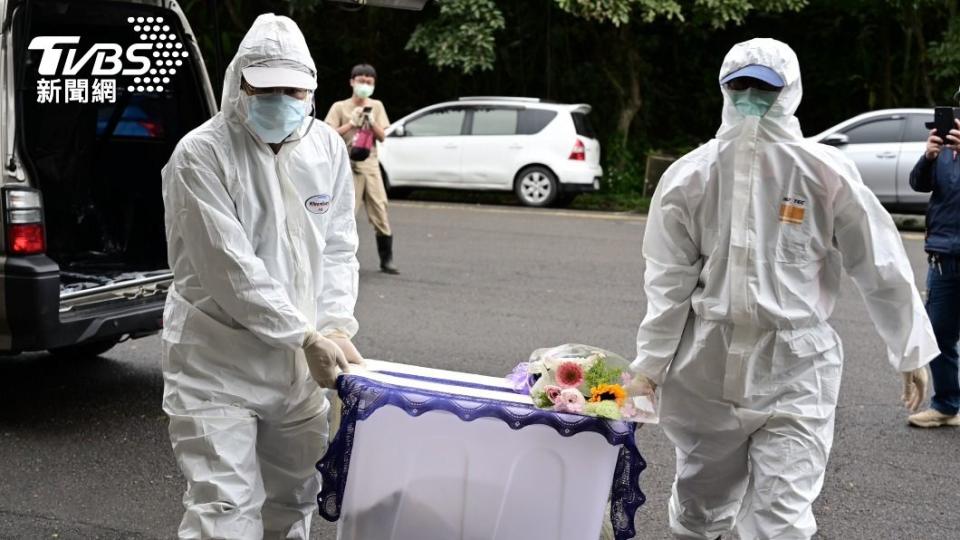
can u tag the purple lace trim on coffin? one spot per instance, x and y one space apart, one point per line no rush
362 397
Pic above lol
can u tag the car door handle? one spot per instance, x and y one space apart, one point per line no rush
516 147
884 155
451 146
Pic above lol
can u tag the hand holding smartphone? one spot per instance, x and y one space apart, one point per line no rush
943 122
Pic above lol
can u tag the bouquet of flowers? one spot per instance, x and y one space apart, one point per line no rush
580 379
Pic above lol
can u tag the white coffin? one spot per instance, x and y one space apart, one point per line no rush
436 477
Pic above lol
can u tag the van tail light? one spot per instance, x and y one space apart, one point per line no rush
153 129
579 152
23 221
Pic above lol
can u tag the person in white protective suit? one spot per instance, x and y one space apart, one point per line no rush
745 244
262 242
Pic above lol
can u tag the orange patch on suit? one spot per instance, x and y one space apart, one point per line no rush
792 210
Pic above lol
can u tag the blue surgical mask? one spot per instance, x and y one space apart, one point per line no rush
273 117
753 102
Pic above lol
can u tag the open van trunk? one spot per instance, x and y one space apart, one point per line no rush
98 164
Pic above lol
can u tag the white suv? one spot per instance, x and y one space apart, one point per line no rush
545 152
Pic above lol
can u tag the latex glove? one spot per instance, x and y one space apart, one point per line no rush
915 384
357 117
349 349
324 357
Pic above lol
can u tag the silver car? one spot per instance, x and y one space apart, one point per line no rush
885 145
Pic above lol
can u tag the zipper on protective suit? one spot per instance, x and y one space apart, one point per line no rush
745 333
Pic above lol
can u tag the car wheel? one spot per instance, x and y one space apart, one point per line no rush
536 186
87 349
393 192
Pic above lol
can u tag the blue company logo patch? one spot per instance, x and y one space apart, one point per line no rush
318 204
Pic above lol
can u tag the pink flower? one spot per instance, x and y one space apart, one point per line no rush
570 401
553 392
628 411
569 375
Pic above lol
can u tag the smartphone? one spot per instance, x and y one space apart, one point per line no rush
942 121
368 109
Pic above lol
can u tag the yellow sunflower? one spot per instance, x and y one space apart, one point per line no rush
612 392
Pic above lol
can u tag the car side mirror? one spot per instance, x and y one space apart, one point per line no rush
399 131
836 139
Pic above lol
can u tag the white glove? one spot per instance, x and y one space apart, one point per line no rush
357 117
346 345
915 384
324 357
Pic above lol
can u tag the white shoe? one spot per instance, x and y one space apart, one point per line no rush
933 418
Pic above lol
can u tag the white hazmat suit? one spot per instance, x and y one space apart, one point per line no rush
745 245
263 250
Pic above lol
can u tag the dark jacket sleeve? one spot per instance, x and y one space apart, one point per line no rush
923 176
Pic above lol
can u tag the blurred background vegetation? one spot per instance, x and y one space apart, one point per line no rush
648 67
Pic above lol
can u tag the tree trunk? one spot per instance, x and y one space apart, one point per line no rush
631 104
630 92
886 87
922 68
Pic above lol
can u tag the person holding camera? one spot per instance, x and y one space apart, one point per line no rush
938 173
351 118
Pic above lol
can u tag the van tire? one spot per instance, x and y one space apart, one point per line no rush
87 349
536 186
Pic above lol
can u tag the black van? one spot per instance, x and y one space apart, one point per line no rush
83 260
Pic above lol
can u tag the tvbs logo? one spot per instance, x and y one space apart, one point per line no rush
106 57
151 63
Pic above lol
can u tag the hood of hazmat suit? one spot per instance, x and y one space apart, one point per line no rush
745 246
263 249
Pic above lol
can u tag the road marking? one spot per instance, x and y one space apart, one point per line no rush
584 214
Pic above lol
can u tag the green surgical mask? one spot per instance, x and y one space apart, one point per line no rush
363 90
753 102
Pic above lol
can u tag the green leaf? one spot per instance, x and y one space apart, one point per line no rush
462 36
599 373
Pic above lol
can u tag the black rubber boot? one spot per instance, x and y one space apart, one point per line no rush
385 249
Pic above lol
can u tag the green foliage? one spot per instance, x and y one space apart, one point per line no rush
599 373
716 13
541 400
604 409
719 13
945 55
619 11
625 168
461 37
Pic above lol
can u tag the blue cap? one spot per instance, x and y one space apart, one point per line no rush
756 71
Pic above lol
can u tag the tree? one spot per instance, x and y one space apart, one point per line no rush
463 36
944 53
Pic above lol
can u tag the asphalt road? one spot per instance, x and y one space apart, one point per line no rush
84 451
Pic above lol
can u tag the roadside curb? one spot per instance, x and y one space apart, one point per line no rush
905 222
